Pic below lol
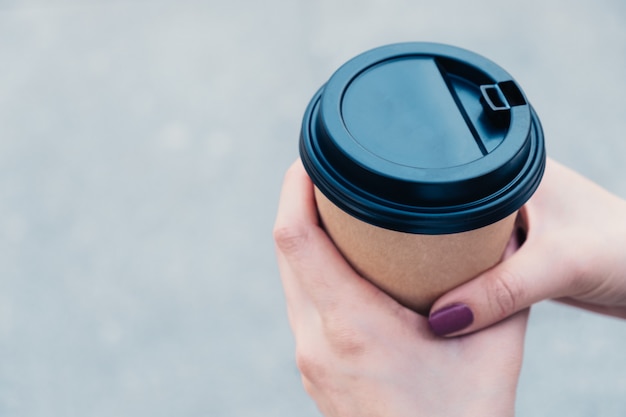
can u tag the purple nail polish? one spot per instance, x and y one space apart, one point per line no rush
450 319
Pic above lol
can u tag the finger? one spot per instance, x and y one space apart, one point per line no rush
296 216
513 327
523 279
308 259
297 200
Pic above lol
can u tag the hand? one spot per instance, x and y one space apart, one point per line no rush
574 251
361 353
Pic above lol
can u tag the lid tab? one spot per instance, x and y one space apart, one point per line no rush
497 100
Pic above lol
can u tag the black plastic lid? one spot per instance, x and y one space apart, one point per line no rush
423 138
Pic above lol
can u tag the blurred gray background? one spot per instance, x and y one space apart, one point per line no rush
142 148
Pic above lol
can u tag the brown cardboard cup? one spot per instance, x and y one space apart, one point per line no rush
422 155
414 269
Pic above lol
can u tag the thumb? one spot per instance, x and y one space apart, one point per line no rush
531 274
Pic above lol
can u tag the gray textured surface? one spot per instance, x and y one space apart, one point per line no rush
142 146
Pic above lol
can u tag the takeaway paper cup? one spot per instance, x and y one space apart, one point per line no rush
421 155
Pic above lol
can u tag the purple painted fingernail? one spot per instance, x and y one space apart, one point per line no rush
450 319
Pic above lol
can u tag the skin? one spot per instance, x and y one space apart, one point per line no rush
574 252
362 354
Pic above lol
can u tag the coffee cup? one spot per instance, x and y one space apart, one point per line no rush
421 155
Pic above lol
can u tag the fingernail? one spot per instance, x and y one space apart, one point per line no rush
450 319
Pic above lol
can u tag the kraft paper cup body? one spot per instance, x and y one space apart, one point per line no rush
421 155
415 269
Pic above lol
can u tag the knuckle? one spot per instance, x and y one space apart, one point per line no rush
291 239
344 339
506 293
311 367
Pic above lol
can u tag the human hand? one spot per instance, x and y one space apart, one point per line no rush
574 252
361 353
